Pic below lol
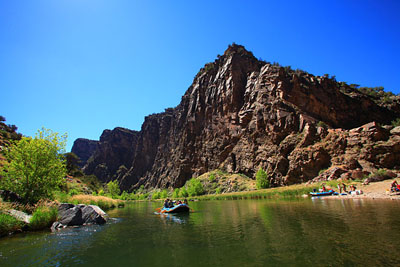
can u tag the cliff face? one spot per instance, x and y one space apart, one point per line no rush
238 115
84 149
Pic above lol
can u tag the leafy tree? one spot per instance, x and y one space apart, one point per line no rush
113 188
262 179
124 196
194 187
164 193
35 167
156 195
183 192
175 194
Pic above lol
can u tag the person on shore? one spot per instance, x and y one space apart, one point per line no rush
339 186
352 188
394 186
185 201
344 188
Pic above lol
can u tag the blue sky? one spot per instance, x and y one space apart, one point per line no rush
82 66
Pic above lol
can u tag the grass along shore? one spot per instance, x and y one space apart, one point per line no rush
376 190
45 213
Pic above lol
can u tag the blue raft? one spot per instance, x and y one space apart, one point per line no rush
320 194
176 209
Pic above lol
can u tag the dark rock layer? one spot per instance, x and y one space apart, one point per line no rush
241 114
84 149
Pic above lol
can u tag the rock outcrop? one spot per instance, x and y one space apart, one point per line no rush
240 114
75 215
84 149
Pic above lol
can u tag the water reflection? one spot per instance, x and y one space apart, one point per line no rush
174 218
223 233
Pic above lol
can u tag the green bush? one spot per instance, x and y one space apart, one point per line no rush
164 193
9 224
124 195
156 195
218 190
35 167
211 178
194 187
42 218
262 179
396 122
175 194
113 188
183 192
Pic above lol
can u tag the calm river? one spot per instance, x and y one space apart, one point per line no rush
306 232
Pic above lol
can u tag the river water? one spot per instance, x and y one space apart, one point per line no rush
322 232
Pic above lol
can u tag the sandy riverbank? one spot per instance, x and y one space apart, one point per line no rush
376 190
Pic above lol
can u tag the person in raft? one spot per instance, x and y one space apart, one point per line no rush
166 203
323 189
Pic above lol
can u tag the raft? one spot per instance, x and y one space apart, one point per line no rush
176 209
320 194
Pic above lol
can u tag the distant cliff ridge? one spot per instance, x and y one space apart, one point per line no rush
241 114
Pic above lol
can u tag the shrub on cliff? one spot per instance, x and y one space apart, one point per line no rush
262 179
35 167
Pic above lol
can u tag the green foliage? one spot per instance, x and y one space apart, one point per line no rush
61 196
396 122
72 164
381 173
378 94
113 188
164 193
211 178
209 66
43 218
8 132
156 195
194 187
322 124
9 224
124 196
183 192
101 192
73 192
262 179
218 190
35 166
175 194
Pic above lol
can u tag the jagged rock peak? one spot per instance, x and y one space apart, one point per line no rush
237 49
240 114
84 149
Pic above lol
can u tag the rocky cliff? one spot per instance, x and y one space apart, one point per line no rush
241 114
84 148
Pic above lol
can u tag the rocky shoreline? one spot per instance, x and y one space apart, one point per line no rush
77 215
